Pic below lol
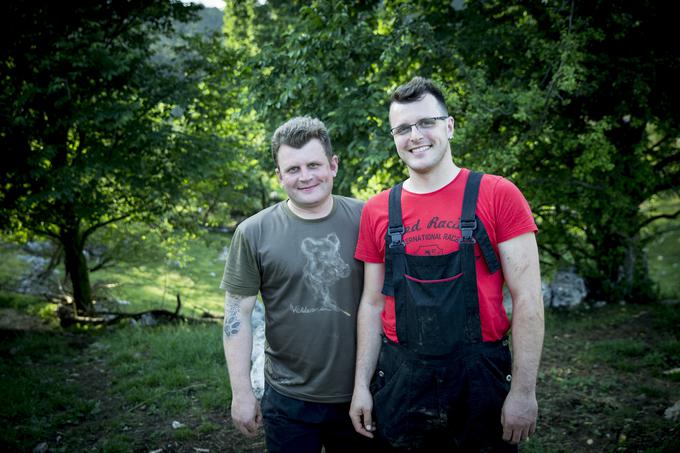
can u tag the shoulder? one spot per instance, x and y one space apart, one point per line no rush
495 185
349 203
256 221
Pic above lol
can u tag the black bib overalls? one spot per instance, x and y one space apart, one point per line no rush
441 385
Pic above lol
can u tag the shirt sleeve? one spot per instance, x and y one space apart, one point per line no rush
513 212
369 248
241 272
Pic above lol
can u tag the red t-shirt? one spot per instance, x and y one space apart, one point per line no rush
431 228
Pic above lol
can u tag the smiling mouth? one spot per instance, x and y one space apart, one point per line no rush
308 188
420 149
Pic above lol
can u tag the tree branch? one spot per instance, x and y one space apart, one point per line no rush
96 226
667 160
658 217
46 233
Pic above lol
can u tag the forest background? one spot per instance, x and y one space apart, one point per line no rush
134 132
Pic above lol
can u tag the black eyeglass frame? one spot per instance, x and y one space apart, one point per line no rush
410 126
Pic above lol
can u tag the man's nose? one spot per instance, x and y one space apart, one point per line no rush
305 173
415 134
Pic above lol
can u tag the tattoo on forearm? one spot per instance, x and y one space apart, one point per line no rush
232 319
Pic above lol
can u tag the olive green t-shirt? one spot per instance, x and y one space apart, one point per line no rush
310 285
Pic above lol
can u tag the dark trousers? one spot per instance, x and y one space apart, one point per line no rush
296 426
452 403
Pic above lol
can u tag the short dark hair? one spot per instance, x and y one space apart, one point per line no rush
297 132
416 89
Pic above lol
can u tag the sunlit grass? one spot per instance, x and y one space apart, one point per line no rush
156 284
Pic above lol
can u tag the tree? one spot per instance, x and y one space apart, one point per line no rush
319 58
96 128
574 101
584 98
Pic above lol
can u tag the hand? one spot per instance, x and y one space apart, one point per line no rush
519 417
360 412
246 414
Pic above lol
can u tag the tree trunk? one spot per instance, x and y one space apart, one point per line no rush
77 270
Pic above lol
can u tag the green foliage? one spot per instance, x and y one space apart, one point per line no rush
663 245
574 103
110 117
19 301
102 126
321 59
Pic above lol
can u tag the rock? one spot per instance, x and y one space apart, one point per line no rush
507 300
224 254
567 289
148 319
257 356
672 371
42 447
673 412
177 425
545 292
670 302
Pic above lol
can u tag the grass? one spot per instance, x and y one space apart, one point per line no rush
604 382
39 394
603 386
195 276
155 285
115 389
168 368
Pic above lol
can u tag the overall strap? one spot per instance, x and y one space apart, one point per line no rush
471 226
394 238
395 226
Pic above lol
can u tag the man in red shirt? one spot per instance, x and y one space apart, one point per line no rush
433 363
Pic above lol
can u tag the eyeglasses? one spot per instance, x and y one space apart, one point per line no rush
422 124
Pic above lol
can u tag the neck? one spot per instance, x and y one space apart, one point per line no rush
311 212
432 180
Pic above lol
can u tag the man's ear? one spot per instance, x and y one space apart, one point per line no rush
335 164
278 173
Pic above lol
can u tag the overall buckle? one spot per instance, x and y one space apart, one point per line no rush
467 228
395 234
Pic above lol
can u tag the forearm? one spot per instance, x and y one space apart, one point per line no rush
523 277
527 342
369 327
237 339
368 341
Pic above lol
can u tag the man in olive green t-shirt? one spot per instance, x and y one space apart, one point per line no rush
299 255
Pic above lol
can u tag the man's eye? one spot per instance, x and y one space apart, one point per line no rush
427 122
401 130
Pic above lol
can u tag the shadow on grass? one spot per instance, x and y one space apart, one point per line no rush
117 389
605 382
